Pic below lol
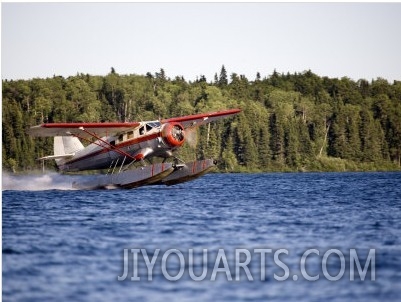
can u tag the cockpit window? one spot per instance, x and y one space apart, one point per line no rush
151 125
155 124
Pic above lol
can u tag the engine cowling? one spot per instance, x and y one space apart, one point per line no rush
173 134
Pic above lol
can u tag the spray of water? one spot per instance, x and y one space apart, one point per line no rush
37 182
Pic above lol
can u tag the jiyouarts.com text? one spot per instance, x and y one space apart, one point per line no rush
141 264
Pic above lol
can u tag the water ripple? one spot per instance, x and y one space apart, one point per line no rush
68 245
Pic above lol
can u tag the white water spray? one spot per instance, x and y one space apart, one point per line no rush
37 182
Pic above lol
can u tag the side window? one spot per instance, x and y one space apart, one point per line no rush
148 127
130 134
142 130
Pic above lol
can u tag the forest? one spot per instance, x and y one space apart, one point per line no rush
289 122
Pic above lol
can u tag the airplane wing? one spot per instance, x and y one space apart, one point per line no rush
78 129
201 119
86 130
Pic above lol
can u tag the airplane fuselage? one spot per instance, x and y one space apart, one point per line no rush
147 140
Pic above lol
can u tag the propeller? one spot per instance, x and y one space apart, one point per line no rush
191 135
177 133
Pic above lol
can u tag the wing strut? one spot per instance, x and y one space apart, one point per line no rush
110 146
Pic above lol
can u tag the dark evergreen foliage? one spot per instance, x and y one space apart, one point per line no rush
290 122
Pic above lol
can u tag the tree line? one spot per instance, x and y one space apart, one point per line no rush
289 122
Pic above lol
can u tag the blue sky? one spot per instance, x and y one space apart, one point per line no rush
357 40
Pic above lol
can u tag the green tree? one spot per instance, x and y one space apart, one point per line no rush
291 145
370 138
223 79
276 128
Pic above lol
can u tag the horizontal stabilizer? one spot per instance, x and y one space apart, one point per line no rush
56 156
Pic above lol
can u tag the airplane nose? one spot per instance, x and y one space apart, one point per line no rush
173 134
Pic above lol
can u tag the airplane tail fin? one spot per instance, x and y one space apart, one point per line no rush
65 146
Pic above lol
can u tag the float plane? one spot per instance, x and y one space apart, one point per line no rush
117 146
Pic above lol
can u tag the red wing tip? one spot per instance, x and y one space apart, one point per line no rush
223 112
235 110
228 111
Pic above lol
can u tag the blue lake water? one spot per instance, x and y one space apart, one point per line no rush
68 245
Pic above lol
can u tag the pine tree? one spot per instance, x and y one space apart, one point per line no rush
228 161
291 145
337 141
223 79
264 154
370 138
276 130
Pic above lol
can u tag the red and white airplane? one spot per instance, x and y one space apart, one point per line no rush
116 146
